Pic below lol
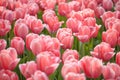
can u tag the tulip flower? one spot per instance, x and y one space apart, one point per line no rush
103 51
107 4
18 43
8 75
8 59
3 44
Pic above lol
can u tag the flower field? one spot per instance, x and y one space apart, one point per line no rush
59 39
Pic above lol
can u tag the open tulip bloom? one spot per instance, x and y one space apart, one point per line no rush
59 39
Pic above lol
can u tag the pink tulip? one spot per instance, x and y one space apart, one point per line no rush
92 4
78 15
18 43
109 35
1 10
88 13
8 15
115 1
4 27
45 43
107 15
29 39
38 75
28 69
118 58
8 59
111 71
74 76
73 24
117 6
103 51
21 30
34 24
47 62
82 35
51 20
95 66
68 53
4 3
59 1
33 8
3 44
48 4
107 4
64 35
64 8
8 75
70 67
75 5
99 11
19 12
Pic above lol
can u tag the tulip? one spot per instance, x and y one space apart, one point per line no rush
47 62
45 43
64 35
99 11
111 71
82 35
8 59
74 76
75 5
21 30
109 35
70 67
95 66
8 15
18 43
3 44
68 53
117 6
107 15
107 4
8 75
48 4
4 27
103 51
29 38
28 69
73 24
118 58
39 75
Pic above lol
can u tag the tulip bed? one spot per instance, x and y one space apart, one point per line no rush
59 39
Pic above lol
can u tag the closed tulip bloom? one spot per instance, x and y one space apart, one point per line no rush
47 62
99 11
107 4
95 66
8 75
3 44
33 8
29 38
118 58
103 51
39 75
117 6
64 8
4 27
8 59
64 35
69 52
28 69
70 67
73 24
48 4
82 35
21 30
111 71
52 21
74 76
75 5
8 15
109 35
18 43
107 15
45 43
